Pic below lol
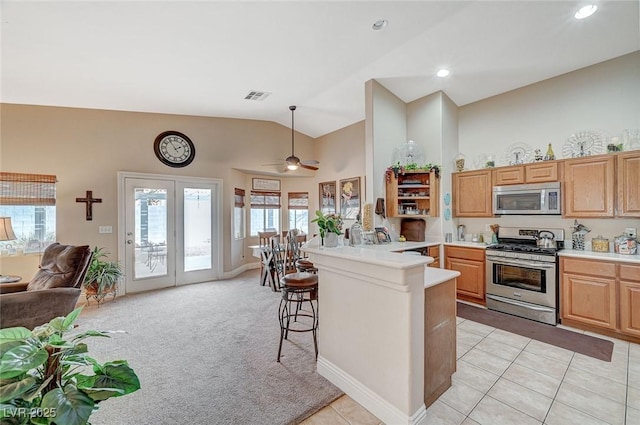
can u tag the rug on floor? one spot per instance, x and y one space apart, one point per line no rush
206 354
598 348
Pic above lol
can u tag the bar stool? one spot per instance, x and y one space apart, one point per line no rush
304 265
298 288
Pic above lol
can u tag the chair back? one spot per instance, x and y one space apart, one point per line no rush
62 266
265 236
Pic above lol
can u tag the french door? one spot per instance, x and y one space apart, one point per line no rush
171 231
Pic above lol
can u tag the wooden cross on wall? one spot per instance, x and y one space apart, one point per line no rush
89 200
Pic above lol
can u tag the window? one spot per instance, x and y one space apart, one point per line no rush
265 211
299 211
29 199
238 214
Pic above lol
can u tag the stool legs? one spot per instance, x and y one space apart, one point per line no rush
286 312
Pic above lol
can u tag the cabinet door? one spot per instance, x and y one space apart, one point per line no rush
470 283
589 187
541 172
434 251
508 175
628 166
630 307
472 194
589 299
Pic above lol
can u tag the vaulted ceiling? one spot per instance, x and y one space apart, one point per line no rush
202 58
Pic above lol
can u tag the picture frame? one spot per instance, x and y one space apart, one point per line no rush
350 198
327 195
265 184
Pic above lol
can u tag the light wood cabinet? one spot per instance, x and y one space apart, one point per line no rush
628 173
537 172
589 292
472 194
413 194
630 299
434 251
589 185
470 262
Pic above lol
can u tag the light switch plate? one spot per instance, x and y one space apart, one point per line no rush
105 229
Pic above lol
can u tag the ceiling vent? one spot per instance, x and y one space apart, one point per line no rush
257 95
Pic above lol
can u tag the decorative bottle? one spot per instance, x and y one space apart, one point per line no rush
356 233
550 156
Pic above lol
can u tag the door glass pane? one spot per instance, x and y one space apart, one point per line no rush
150 232
197 229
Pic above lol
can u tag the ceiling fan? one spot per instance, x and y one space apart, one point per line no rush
293 162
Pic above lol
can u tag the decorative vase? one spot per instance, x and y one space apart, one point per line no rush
331 240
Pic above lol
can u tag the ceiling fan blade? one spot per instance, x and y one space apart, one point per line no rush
308 167
310 162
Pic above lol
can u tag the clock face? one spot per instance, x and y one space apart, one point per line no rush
174 149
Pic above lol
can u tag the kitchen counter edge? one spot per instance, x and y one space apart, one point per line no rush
608 256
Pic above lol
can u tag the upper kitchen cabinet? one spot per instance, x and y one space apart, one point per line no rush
537 172
413 194
589 186
628 170
472 193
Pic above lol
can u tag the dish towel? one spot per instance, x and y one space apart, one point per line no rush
380 207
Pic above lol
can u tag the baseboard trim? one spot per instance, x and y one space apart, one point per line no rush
243 268
367 398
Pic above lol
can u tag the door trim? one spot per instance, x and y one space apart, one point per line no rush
218 263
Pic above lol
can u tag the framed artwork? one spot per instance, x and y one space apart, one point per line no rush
327 192
350 198
266 184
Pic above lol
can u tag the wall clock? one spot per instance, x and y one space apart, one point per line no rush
174 149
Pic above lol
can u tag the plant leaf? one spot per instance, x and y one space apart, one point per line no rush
8 345
72 406
71 317
21 359
115 376
14 334
15 389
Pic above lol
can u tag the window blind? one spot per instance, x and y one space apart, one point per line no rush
298 200
238 197
261 199
27 189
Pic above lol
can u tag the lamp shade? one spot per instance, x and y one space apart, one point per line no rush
6 230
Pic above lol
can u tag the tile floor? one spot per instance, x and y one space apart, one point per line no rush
506 379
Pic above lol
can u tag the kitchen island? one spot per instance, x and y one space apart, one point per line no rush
387 326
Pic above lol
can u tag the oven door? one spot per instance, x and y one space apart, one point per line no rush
527 281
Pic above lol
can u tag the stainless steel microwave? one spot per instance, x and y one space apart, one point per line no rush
537 198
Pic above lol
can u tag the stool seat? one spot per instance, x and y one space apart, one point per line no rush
301 280
303 265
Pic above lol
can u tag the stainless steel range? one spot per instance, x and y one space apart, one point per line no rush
522 273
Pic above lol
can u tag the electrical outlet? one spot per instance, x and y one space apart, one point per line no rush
105 229
632 232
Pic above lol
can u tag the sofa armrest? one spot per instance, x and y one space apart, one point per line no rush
8 288
34 308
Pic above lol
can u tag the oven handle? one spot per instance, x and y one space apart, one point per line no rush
501 260
519 303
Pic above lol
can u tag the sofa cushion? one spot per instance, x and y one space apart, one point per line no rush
61 266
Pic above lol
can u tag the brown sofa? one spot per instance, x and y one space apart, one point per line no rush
53 291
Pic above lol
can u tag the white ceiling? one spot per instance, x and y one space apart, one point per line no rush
202 58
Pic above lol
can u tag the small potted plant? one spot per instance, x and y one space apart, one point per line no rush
102 276
330 227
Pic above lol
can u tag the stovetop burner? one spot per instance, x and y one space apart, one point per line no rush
512 247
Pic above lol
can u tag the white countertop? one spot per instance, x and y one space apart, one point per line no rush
434 276
610 256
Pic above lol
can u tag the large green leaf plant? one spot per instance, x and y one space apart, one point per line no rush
44 378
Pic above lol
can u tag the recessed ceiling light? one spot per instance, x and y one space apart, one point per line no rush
442 73
379 24
586 11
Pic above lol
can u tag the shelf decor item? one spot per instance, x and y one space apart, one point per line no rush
578 234
584 143
518 153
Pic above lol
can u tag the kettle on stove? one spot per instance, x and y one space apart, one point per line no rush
461 230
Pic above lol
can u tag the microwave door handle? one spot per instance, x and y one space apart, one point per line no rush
523 263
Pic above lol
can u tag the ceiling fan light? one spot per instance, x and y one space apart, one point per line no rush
292 167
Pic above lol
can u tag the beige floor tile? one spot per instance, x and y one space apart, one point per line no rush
591 403
459 320
634 351
614 371
486 361
499 349
473 376
600 385
469 421
569 328
493 412
477 328
619 343
634 373
467 337
523 399
561 414
633 398
550 351
536 381
541 364
441 414
461 397
462 349
353 412
509 338
326 416
633 416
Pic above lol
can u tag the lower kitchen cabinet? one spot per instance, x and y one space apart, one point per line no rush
434 251
471 265
603 295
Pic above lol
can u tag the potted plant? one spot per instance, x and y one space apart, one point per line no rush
47 377
330 226
102 275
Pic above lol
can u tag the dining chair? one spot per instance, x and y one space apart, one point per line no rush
265 256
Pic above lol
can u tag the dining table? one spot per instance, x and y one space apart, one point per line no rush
265 254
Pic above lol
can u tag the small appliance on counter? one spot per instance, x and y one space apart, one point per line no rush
626 243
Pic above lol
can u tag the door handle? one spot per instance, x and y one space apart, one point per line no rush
129 241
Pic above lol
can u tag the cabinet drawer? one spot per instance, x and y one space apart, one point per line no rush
590 267
476 254
508 175
540 173
629 272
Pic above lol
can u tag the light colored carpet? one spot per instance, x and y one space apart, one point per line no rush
206 354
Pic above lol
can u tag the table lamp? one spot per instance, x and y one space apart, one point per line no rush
6 234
